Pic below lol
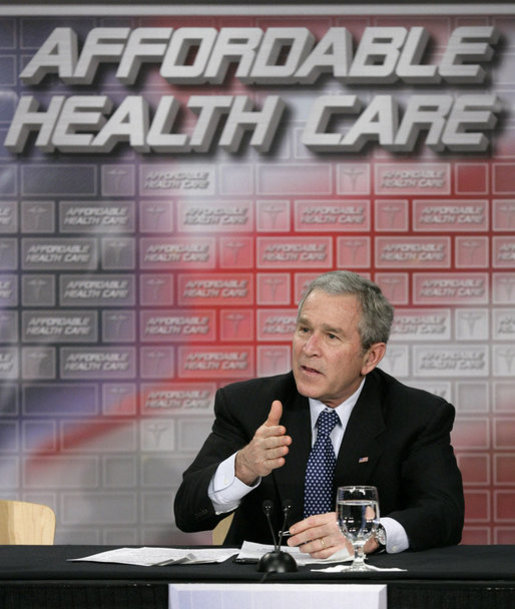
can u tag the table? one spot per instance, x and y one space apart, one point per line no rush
459 577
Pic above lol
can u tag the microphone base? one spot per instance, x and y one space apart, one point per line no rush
277 562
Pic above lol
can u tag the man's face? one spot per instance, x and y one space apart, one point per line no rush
328 360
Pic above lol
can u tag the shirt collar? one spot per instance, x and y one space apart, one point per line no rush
343 410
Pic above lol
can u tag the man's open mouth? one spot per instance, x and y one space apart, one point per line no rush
310 370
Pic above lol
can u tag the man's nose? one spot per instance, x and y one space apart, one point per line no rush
311 346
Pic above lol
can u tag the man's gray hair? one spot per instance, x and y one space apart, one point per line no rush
377 312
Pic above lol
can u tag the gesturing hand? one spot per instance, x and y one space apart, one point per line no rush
267 449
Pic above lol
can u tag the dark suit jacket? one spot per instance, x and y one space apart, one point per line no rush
397 438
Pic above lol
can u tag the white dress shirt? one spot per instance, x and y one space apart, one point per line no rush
226 491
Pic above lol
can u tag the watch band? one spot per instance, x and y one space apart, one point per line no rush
380 536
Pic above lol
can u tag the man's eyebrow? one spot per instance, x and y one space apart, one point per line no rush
332 329
325 327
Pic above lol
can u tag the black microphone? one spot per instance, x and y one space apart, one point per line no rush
276 561
287 505
268 507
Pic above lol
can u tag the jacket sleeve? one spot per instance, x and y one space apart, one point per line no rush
433 506
192 507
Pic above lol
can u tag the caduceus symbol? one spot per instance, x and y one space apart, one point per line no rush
509 210
155 284
117 174
273 283
508 355
274 357
36 287
37 212
117 247
117 320
508 283
472 247
157 430
37 361
354 245
391 212
273 212
235 247
392 355
353 173
391 284
471 318
236 319
160 357
155 212
117 393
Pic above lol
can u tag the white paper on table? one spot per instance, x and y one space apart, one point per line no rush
343 568
250 550
149 557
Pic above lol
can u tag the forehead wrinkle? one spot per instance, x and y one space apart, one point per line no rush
325 327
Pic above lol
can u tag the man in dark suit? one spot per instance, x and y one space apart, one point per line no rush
388 435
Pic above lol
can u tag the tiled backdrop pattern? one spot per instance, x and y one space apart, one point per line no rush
126 301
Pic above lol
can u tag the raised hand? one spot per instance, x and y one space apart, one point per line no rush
267 449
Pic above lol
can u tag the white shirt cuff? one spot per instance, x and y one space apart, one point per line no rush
225 490
396 537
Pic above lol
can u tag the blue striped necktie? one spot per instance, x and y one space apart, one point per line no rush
318 484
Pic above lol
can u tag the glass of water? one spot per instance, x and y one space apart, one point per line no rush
357 510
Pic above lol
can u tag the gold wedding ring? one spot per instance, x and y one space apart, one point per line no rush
322 542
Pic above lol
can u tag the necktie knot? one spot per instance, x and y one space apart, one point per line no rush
326 422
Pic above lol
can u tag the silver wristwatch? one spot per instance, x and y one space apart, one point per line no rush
380 536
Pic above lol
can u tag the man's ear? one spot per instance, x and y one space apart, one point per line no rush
372 357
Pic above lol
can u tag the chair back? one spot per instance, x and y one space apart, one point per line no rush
24 523
220 531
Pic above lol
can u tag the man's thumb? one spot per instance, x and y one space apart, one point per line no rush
275 414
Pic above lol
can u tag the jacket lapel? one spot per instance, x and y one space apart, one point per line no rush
290 478
362 446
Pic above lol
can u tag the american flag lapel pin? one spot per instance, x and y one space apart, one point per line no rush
363 460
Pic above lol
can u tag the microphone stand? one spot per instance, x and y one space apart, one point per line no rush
276 561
